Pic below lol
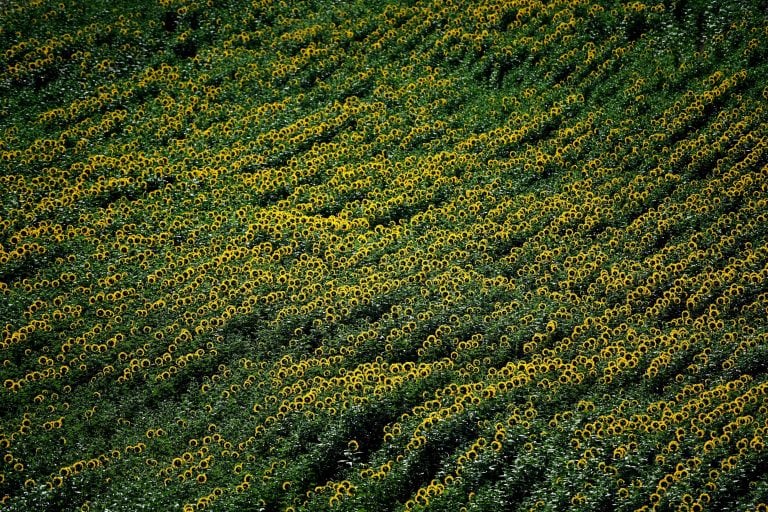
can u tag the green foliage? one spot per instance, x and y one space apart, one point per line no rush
383 255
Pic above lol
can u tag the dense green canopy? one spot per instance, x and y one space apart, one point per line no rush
317 255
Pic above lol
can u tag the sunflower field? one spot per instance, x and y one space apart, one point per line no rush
435 255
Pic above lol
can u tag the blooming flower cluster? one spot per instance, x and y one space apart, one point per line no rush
447 256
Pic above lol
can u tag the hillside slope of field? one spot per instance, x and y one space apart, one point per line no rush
438 255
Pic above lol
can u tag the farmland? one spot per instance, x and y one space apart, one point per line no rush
369 256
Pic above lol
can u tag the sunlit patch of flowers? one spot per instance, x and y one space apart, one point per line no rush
480 255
